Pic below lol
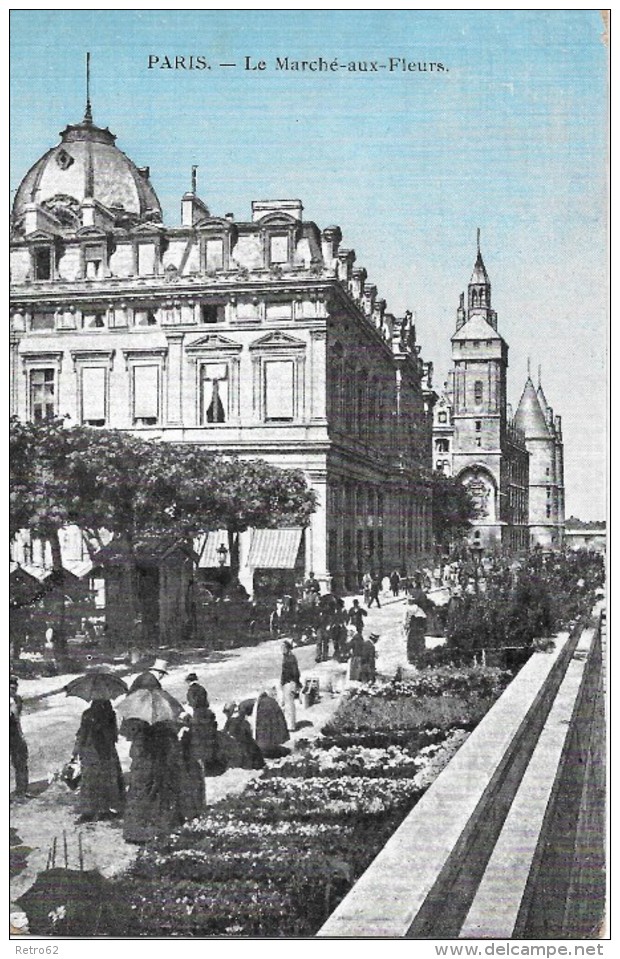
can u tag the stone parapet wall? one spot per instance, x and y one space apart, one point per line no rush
434 878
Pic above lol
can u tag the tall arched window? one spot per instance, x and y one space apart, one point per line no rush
478 391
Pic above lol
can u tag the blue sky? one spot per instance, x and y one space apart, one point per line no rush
510 138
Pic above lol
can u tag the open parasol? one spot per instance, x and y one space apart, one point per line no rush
96 684
150 705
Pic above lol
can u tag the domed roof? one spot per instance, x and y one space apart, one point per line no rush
530 417
87 164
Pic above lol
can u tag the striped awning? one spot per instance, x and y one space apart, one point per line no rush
209 557
274 548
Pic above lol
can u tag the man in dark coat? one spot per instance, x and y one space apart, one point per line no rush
375 587
395 582
369 659
18 747
290 683
357 615
192 680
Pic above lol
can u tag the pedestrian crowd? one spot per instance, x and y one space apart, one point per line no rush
176 747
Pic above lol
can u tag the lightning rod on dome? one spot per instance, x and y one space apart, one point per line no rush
88 115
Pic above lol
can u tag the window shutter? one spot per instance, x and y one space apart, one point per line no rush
146 392
215 254
279 400
93 393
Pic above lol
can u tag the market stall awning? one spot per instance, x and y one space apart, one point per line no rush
209 557
274 548
79 567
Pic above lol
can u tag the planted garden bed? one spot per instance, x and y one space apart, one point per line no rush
276 859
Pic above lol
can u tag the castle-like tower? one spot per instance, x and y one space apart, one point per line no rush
473 433
543 438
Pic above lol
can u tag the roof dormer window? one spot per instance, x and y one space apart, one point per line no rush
279 248
93 262
42 262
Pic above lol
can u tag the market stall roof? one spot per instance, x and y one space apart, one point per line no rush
274 548
79 568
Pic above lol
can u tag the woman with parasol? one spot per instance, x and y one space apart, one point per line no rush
102 789
150 716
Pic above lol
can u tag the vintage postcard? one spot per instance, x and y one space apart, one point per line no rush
308 326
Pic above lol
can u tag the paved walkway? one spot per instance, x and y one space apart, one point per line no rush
50 724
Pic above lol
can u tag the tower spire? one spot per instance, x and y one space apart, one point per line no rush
539 376
478 240
528 368
194 179
88 114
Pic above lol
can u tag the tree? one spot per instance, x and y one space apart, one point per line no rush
39 497
453 509
139 490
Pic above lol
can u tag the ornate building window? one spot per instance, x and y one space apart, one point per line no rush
279 248
42 261
279 377
212 313
478 426
93 386
214 255
94 321
442 445
144 317
217 378
145 395
478 391
279 386
442 417
214 393
93 391
42 320
42 394
94 260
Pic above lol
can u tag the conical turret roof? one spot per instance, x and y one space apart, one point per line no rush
542 399
530 417
480 274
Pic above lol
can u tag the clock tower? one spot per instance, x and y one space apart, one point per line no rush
487 453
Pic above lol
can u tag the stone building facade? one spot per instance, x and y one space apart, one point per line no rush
474 436
262 338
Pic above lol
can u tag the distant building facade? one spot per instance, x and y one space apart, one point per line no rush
261 338
474 437
544 442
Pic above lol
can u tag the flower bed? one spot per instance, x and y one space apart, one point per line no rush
276 859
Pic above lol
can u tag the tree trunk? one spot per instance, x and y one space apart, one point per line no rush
123 609
58 596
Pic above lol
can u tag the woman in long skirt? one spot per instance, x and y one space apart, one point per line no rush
155 803
102 788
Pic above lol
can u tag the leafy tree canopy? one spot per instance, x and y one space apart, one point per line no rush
110 479
453 508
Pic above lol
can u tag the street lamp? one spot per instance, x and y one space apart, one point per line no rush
222 553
